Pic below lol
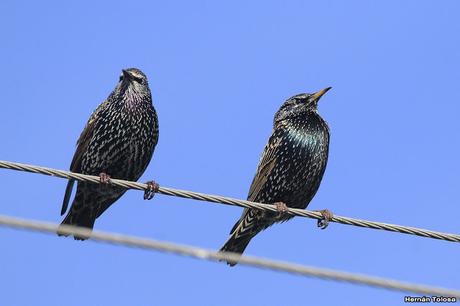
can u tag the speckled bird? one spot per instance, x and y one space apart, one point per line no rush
117 142
290 169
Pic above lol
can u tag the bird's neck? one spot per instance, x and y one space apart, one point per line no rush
310 123
132 100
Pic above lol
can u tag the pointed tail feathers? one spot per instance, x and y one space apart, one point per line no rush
235 245
78 219
242 233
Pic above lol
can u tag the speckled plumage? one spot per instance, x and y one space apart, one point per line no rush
118 140
290 169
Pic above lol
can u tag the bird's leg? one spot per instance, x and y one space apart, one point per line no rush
282 209
326 217
152 188
104 178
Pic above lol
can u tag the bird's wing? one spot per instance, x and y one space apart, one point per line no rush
82 145
266 164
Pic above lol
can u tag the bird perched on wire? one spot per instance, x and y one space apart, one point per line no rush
290 169
117 142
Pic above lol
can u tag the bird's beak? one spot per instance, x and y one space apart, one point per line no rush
126 74
319 94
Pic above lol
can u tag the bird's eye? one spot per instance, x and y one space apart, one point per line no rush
138 80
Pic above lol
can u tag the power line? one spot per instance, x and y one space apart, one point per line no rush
200 253
234 202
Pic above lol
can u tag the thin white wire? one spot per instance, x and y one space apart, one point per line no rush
200 253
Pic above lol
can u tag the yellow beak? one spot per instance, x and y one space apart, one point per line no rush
319 94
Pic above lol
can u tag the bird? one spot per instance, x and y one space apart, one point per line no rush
118 141
290 169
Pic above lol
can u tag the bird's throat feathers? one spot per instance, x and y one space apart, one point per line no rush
300 128
133 97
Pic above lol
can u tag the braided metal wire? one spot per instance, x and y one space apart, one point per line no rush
235 202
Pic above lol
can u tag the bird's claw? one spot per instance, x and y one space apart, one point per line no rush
104 178
152 188
326 217
282 209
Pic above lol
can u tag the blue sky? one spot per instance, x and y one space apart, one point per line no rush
218 71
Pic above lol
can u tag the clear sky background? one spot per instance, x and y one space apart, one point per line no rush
218 72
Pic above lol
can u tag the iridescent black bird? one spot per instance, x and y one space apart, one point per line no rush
117 142
290 169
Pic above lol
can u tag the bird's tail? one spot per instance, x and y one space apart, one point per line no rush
241 234
78 218
236 245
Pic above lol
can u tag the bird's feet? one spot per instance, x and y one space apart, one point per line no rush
326 217
104 178
152 188
282 209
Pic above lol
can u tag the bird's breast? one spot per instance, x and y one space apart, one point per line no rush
123 142
302 164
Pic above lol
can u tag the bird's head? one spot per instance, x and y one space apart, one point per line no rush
299 105
133 80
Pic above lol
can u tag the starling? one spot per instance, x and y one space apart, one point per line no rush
117 142
290 169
